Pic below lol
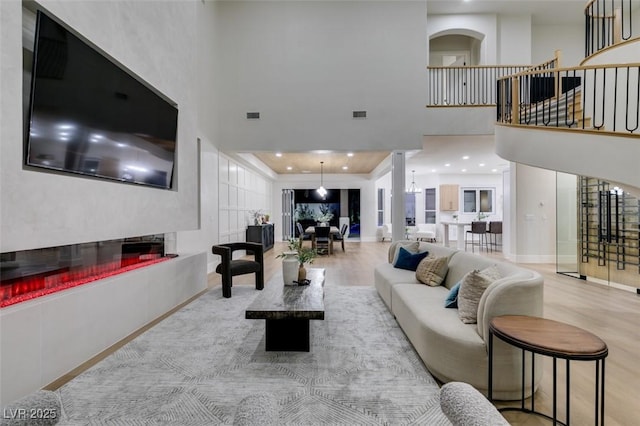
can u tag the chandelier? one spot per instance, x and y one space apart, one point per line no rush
413 189
321 190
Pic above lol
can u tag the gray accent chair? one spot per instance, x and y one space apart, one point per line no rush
465 406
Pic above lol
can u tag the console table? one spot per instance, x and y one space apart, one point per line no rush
261 234
287 311
554 339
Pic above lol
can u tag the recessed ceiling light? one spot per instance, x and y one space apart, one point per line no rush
494 170
433 170
481 164
447 165
278 154
466 157
289 168
349 154
345 167
464 170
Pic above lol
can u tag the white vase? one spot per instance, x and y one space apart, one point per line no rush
290 267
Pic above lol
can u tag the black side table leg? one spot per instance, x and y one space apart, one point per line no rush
568 415
490 381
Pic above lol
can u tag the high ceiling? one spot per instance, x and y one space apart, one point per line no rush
440 154
541 11
334 162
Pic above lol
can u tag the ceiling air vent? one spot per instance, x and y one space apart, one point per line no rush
359 114
253 116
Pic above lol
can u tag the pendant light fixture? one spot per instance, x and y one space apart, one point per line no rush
413 189
321 191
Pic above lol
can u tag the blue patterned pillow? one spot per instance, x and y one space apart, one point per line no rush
407 260
452 298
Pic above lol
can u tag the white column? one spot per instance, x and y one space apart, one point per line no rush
397 195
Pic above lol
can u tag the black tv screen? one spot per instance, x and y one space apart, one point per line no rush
89 116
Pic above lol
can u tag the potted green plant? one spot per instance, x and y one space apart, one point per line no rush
301 255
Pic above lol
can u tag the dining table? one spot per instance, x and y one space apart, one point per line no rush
311 230
460 235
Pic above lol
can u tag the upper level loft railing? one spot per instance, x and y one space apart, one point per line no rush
473 85
607 22
466 86
599 98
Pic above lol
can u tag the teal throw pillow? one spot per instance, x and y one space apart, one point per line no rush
452 298
409 261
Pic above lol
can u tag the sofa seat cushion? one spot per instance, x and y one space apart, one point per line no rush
386 276
450 349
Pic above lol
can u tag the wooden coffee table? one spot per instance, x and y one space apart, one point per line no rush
287 311
555 339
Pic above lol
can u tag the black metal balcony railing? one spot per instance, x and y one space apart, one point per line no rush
604 97
473 85
607 22
466 86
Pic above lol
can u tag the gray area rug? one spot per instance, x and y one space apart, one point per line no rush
196 366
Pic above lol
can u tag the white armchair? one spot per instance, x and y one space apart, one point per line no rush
386 231
424 231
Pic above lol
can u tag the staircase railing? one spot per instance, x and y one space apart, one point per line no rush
598 97
474 85
607 22
467 85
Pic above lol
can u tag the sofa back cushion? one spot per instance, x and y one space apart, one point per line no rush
410 246
461 263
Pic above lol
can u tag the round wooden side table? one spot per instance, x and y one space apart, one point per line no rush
555 339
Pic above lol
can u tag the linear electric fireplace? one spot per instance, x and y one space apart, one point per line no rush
28 274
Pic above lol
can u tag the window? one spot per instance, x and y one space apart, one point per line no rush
380 206
410 209
430 205
478 200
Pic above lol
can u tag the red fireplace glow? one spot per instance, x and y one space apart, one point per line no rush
25 275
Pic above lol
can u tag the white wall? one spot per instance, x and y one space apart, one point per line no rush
514 39
305 66
535 214
481 24
44 209
546 39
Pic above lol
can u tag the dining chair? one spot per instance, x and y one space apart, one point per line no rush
478 228
323 241
303 235
340 236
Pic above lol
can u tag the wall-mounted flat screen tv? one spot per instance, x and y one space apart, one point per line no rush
89 116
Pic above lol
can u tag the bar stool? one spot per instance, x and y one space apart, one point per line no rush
480 229
495 229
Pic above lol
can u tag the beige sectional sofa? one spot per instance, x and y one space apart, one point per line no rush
451 349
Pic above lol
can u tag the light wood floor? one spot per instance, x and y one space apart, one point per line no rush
612 314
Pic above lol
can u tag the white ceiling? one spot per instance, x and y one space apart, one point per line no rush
542 11
445 155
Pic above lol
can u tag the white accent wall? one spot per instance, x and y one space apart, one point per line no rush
307 65
40 209
241 191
